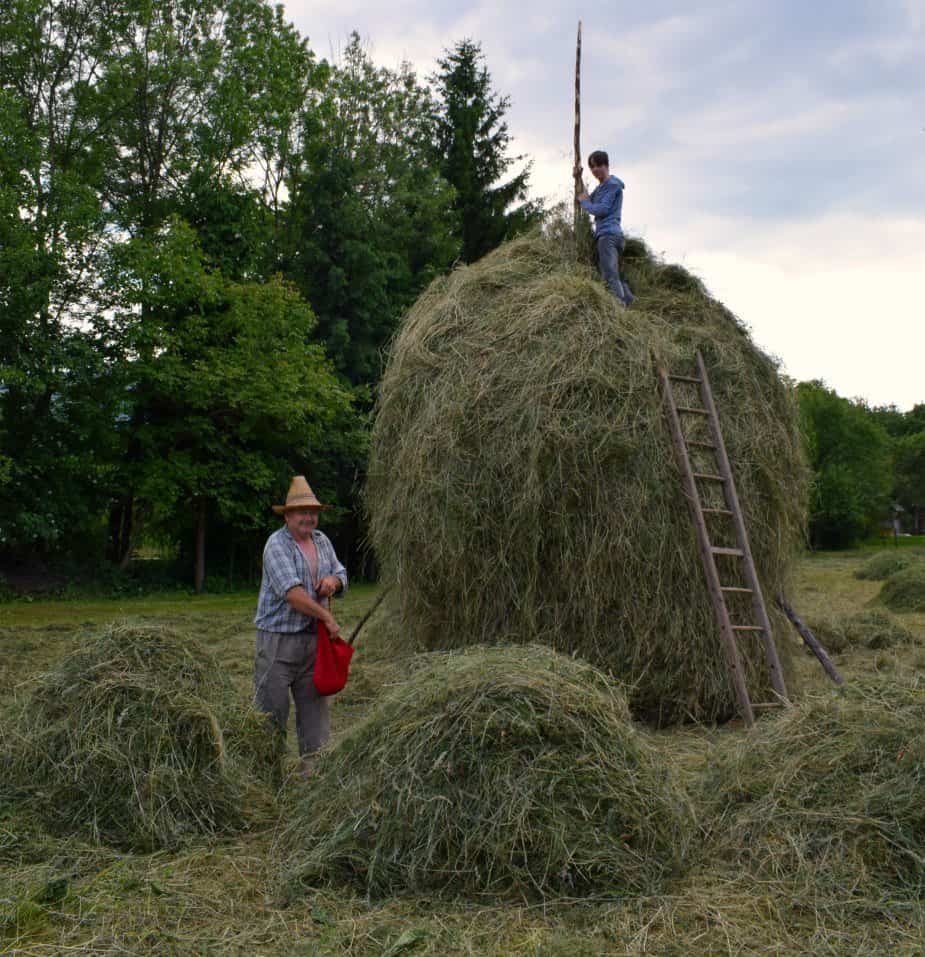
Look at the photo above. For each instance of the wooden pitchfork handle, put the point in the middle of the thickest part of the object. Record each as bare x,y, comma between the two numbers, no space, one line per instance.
369,614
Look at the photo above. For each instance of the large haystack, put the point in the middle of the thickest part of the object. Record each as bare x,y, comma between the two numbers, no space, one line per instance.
831,793
522,484
136,740
504,770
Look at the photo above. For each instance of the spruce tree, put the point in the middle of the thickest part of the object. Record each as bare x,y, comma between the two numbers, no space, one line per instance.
472,143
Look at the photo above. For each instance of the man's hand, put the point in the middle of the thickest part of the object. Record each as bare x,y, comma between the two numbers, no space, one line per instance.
328,586
331,624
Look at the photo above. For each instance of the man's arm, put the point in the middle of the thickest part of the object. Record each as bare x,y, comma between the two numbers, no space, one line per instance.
605,198
336,580
298,598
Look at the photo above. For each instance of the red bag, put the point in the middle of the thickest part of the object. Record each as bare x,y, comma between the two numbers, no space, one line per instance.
332,662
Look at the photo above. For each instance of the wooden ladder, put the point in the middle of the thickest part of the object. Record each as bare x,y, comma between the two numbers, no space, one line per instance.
722,476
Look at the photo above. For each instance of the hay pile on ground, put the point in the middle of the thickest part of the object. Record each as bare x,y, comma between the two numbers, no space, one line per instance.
513,771
522,484
831,794
865,629
883,564
905,590
136,739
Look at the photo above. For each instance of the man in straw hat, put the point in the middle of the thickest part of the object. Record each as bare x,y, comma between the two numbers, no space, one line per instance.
300,572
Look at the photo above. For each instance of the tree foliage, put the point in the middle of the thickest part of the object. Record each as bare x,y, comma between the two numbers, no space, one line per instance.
850,454
472,140
371,219
207,238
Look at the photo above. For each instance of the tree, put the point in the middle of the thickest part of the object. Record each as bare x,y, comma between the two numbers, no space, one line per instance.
370,220
54,399
472,144
909,456
229,392
850,455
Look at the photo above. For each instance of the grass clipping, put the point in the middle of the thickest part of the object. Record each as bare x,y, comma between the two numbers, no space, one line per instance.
880,566
136,740
522,484
905,590
831,794
504,770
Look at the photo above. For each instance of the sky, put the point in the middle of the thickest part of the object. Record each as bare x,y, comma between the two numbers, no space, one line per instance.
775,149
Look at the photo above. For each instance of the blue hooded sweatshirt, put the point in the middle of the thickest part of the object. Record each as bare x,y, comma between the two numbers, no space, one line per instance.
605,204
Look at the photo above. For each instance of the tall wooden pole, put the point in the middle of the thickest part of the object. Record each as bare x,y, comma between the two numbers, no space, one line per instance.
576,174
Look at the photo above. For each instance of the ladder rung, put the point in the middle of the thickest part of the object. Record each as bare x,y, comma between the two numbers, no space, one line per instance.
700,444
747,628
734,588
717,511
727,551
710,476
687,408
685,378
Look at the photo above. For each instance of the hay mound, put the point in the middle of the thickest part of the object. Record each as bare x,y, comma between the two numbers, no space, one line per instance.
497,770
865,629
883,564
522,484
905,590
833,791
136,739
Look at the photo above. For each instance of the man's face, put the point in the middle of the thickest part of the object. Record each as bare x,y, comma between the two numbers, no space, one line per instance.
600,173
301,522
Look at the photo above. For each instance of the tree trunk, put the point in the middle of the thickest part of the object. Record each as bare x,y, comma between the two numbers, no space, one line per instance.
199,573
129,530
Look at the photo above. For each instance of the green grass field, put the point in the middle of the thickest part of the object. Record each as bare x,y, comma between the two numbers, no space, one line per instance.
63,896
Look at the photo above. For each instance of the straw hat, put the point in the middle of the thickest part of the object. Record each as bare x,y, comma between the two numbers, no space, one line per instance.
300,495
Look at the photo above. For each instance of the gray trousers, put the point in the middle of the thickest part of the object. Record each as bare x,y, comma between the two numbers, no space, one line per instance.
609,249
285,662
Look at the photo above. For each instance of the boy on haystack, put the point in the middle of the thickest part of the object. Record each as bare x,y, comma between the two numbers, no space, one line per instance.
605,204
300,572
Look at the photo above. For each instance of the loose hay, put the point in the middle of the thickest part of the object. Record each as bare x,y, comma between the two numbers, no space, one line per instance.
880,566
504,771
905,590
831,794
866,629
135,738
522,484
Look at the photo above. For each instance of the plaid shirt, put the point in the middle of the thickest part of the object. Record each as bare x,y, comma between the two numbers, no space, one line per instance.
284,567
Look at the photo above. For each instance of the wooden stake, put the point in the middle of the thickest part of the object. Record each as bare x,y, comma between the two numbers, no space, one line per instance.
368,614
575,174
812,642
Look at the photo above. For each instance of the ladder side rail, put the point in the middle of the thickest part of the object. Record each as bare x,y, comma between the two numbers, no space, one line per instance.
732,499
733,659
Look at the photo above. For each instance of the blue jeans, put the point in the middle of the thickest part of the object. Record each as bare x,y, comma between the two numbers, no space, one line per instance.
608,262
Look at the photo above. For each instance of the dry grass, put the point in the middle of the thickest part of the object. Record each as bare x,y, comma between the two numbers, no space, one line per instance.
134,740
220,896
500,771
522,485
905,590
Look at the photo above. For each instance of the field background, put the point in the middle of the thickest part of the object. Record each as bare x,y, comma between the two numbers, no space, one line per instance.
222,897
